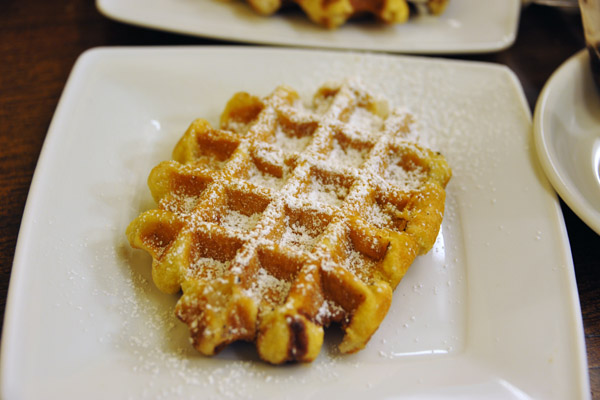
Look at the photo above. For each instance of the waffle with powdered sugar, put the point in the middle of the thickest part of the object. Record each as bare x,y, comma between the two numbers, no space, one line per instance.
333,13
289,218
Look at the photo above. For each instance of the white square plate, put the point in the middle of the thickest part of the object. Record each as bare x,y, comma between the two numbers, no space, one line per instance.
492,311
466,26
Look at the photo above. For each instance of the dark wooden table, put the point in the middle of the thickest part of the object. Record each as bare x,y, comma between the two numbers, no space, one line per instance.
40,40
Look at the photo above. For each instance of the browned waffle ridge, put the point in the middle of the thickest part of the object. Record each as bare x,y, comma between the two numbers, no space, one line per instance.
289,218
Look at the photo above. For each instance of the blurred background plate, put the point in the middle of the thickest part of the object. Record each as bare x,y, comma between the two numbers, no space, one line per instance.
466,26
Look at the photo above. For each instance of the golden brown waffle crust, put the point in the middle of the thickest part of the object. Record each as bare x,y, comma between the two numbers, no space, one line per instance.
333,13
290,217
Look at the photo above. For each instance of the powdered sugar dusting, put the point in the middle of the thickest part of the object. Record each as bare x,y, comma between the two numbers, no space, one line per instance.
289,143
362,120
328,193
158,362
359,264
346,156
258,177
208,268
238,222
378,217
267,285
299,236
328,310
331,168
407,179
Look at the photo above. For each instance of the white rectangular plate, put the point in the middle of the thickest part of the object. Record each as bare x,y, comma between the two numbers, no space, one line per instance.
466,26
492,311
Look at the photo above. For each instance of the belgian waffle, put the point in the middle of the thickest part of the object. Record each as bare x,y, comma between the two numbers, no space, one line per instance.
290,217
333,13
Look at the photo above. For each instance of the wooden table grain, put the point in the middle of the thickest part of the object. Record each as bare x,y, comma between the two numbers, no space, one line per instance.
40,41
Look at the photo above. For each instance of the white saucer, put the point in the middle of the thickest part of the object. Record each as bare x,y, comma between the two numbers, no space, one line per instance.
567,137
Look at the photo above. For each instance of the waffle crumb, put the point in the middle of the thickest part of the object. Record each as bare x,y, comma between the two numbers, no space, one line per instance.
289,218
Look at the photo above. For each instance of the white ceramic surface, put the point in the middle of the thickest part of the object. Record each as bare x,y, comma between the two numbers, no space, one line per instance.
491,312
467,26
567,137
